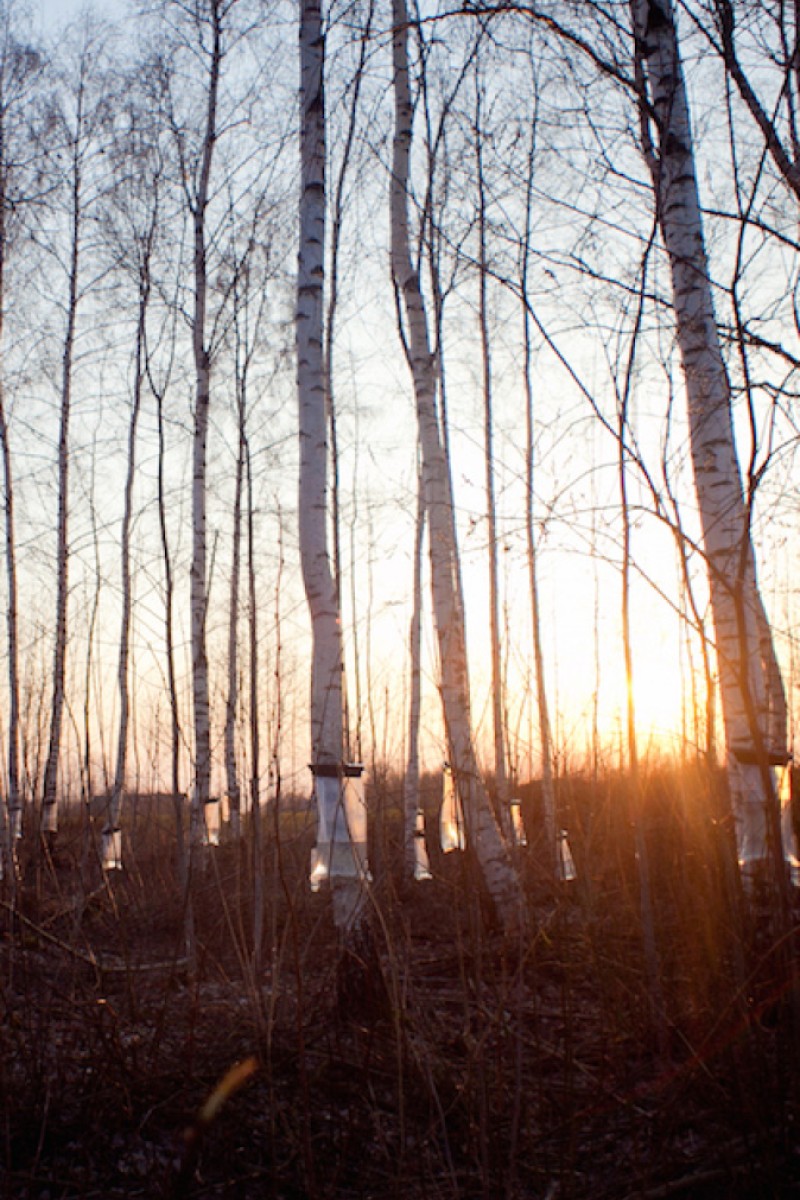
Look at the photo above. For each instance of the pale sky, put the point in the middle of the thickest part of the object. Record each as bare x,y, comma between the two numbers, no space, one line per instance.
58,12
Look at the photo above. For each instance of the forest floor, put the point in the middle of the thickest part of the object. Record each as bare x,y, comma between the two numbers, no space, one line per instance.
442,1060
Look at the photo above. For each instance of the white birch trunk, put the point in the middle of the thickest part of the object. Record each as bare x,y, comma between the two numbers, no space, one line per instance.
411,781
255,730
336,227
231,772
326,674
320,585
753,703
169,645
49,822
498,690
178,798
422,866
543,708
452,834
202,366
482,830
112,845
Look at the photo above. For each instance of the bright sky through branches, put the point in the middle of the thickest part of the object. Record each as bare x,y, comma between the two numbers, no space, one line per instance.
590,230
568,571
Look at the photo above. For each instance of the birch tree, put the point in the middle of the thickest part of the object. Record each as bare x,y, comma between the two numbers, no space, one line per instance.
414,818
20,67
337,225
252,273
542,705
255,728
79,119
498,688
140,217
242,357
753,702
159,387
482,829
202,34
335,853
212,19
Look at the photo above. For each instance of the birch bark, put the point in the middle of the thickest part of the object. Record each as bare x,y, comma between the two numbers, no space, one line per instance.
329,344
255,709
49,822
320,584
176,736
245,337
231,772
753,702
411,782
498,690
491,851
543,708
326,672
19,64
202,366
112,847
169,637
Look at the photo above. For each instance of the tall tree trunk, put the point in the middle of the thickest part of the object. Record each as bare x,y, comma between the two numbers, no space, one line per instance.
255,729
178,797
245,338
326,668
49,822
169,639
231,772
326,682
112,843
91,693
542,706
202,366
13,826
501,878
337,222
411,802
753,702
498,689
14,798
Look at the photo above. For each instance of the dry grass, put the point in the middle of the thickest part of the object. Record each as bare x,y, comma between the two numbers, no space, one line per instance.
438,1062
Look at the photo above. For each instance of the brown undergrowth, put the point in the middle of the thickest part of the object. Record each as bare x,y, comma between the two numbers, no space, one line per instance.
435,1059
